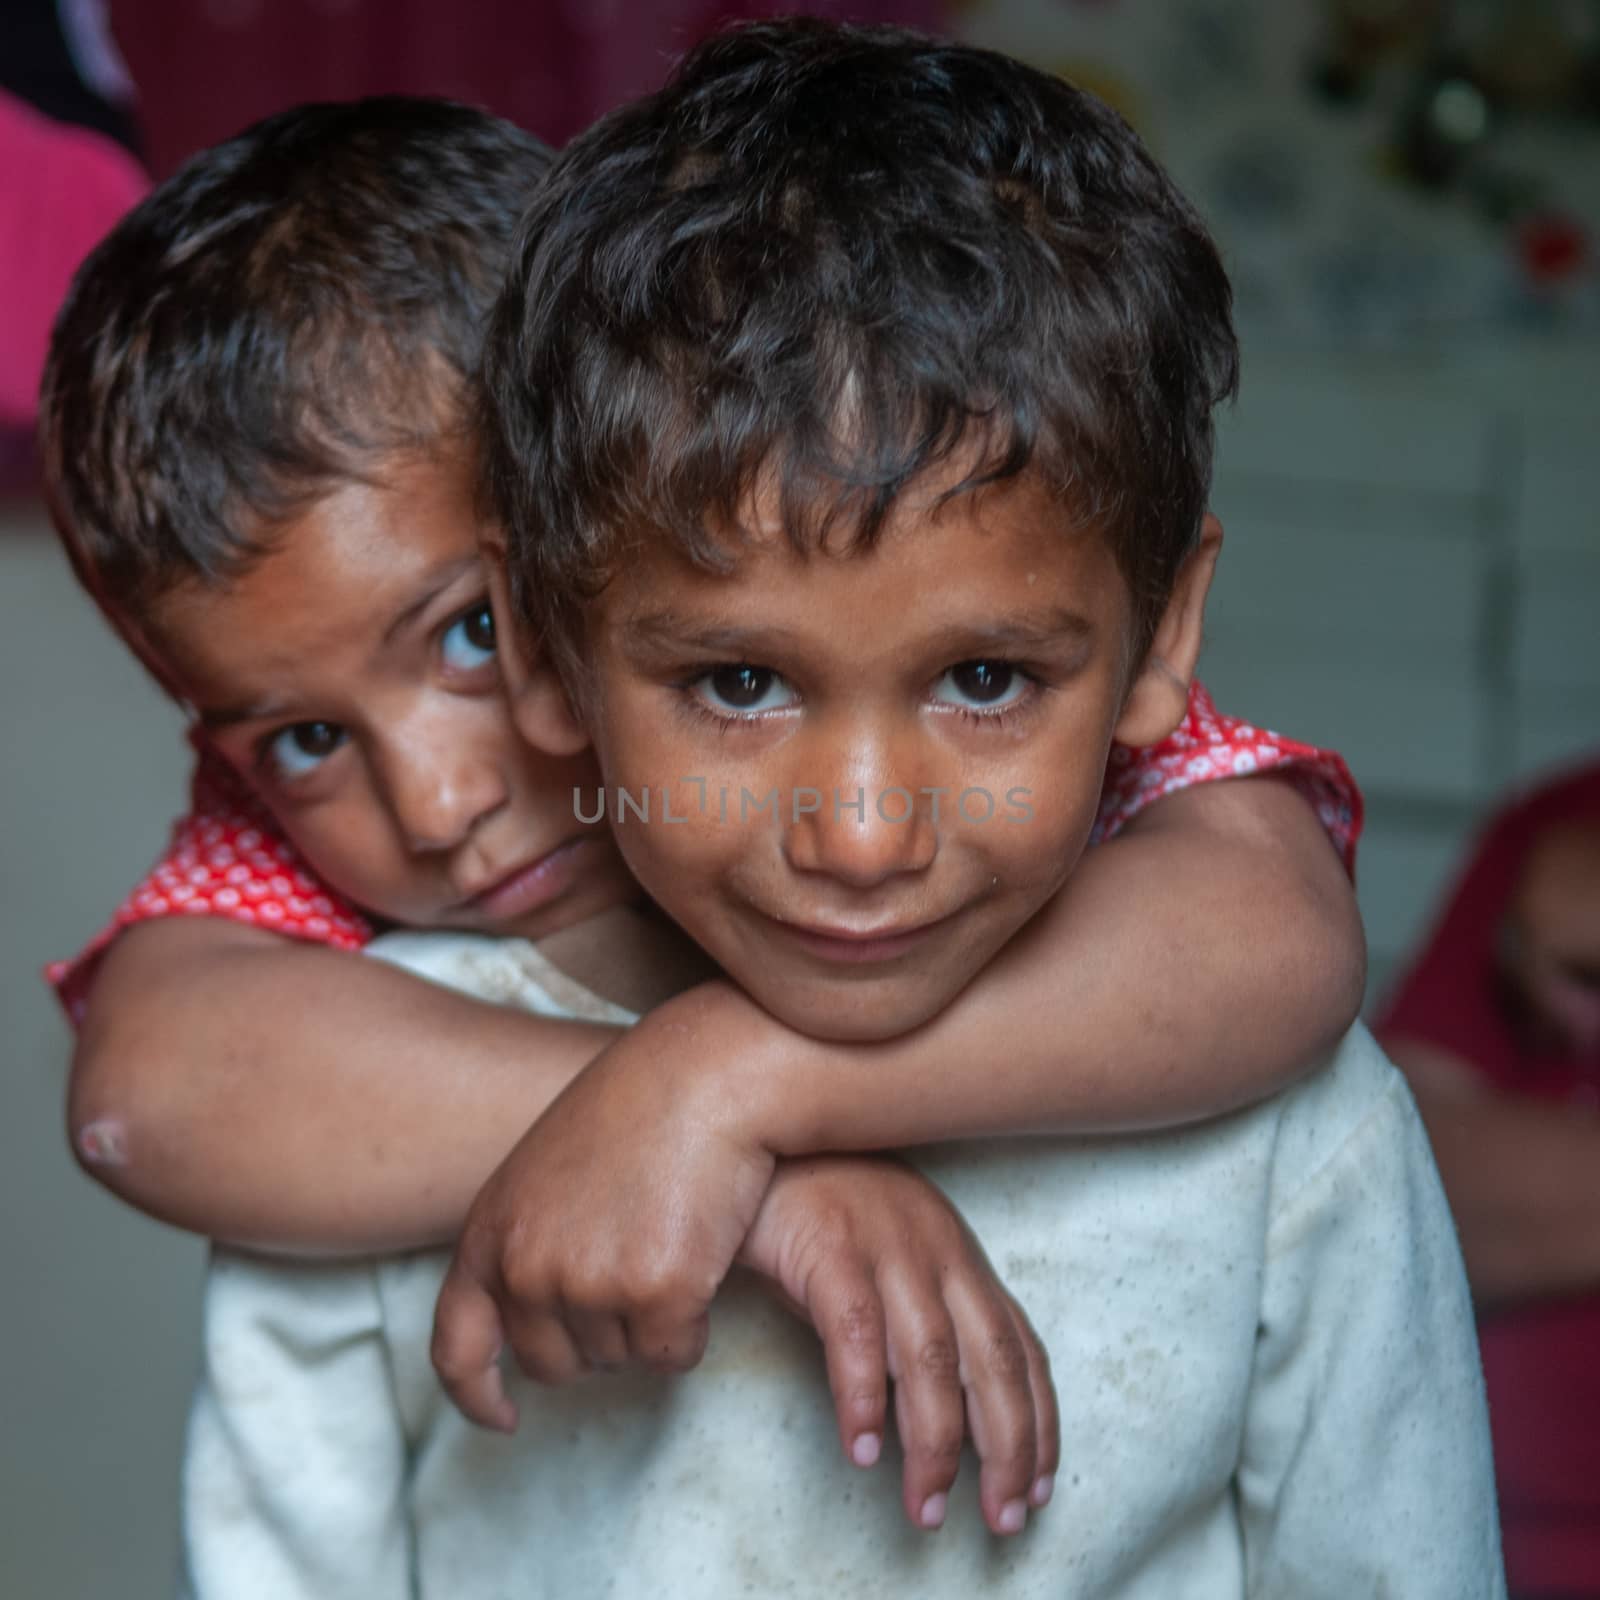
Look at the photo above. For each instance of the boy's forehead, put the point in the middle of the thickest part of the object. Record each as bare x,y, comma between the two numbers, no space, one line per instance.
342,575
1007,560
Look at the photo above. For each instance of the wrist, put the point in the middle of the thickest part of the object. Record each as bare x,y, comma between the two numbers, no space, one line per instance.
743,1066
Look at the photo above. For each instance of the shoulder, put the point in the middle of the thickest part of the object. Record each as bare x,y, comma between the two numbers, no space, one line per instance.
1208,746
1349,1143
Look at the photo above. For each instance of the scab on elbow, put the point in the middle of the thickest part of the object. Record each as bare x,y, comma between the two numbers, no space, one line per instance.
100,1143
96,1127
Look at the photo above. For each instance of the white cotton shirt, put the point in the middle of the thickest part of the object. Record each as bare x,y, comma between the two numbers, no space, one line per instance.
1259,1329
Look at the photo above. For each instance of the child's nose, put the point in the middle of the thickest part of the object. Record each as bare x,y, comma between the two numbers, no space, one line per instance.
437,804
861,828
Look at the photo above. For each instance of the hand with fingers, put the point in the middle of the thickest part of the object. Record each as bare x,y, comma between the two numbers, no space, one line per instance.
601,1239
882,1266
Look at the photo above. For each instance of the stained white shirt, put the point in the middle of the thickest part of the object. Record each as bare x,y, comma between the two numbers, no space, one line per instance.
1259,1329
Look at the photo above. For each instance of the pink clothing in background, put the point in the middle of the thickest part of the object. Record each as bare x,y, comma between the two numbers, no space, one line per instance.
1541,1359
62,188
205,68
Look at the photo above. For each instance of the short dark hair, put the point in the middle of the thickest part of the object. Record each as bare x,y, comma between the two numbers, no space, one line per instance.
840,255
291,303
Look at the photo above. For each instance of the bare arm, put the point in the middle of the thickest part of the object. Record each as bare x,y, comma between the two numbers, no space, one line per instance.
1201,961
1205,958
1522,1177
288,1096
208,1042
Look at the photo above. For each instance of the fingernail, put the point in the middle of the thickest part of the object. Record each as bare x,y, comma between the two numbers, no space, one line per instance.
1013,1516
1043,1488
933,1509
865,1451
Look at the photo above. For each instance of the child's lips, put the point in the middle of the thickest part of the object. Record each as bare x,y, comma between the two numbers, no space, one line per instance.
527,887
859,946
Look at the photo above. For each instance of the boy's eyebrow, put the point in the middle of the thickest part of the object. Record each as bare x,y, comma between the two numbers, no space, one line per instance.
1024,630
212,717
433,585
668,628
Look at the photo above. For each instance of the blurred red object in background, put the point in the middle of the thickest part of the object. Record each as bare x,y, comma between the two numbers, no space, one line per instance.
1553,247
206,68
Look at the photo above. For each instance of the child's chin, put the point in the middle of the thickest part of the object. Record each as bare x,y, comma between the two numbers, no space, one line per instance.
852,1012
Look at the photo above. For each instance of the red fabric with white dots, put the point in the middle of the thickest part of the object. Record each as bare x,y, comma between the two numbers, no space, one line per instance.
1207,745
228,859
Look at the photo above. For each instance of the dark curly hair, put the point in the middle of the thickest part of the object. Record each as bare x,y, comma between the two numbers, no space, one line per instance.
291,303
834,257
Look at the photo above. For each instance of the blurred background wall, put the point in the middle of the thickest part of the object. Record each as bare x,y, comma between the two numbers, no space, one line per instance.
1408,192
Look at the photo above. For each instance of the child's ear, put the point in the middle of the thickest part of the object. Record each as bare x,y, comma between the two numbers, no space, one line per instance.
1159,696
540,707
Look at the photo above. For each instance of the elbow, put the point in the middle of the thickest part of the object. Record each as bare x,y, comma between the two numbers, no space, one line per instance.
1347,966
1327,931
102,1113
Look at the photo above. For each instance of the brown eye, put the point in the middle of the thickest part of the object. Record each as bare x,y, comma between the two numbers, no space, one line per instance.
742,688
468,643
296,750
982,686
480,628
982,681
316,739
